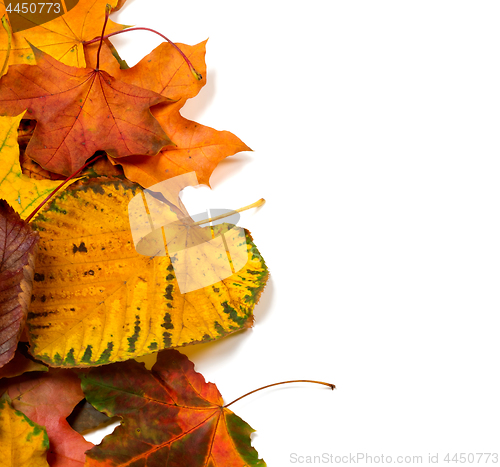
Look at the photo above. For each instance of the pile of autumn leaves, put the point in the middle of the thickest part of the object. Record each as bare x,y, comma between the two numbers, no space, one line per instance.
60,109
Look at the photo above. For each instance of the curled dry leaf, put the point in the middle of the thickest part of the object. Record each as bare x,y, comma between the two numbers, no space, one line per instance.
85,418
171,417
21,363
47,399
17,264
96,300
102,167
35,171
22,442
78,112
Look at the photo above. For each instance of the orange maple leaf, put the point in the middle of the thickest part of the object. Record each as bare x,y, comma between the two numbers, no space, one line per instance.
80,111
196,147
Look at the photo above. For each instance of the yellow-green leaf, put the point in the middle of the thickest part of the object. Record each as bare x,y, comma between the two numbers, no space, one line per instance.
96,300
23,443
21,192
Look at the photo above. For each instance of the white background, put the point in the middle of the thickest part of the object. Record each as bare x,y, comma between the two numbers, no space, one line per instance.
375,134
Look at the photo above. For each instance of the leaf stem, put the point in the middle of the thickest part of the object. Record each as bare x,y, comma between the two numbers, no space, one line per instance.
197,75
106,16
93,159
331,386
6,26
257,204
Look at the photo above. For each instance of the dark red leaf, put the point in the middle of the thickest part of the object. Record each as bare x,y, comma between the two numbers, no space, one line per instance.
17,262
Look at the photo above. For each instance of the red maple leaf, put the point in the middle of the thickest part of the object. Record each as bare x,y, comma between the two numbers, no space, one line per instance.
80,111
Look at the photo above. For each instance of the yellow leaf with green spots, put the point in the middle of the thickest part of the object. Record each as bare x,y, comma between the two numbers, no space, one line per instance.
23,443
96,300
24,194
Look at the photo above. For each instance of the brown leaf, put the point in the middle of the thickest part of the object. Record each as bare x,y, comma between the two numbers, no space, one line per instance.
85,418
33,170
17,262
25,132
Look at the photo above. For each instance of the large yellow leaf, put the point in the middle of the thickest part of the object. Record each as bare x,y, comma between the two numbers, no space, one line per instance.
21,192
22,442
96,300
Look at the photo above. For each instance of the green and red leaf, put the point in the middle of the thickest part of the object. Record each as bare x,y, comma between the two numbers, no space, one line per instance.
171,417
